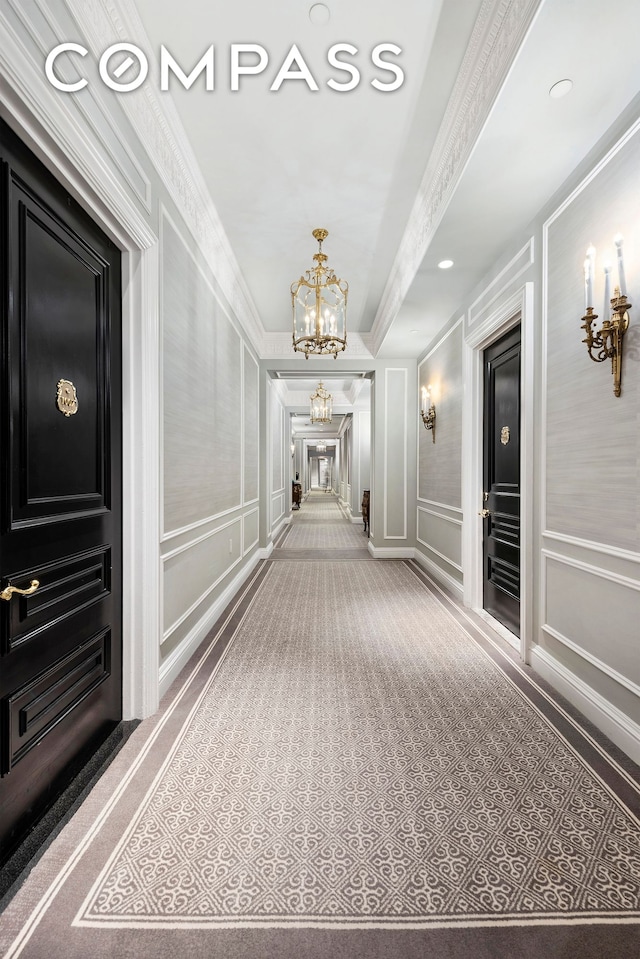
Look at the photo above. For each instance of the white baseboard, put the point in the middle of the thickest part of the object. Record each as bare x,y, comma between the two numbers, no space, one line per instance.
178,659
439,574
391,552
615,724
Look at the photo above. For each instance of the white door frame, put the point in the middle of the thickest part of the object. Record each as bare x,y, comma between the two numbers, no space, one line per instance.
517,308
41,119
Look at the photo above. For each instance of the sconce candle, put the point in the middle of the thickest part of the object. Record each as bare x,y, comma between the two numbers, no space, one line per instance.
607,289
428,411
589,266
622,283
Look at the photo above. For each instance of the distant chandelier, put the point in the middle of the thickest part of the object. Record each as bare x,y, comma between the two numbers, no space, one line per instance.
321,405
321,447
319,301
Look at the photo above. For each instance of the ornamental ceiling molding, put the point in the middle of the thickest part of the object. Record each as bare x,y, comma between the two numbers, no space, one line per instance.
156,123
497,36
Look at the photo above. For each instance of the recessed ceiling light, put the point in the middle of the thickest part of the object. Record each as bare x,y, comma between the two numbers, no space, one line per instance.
445,264
319,13
560,89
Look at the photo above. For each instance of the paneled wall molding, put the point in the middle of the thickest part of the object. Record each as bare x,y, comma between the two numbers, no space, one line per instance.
155,120
484,304
439,574
622,730
589,545
198,602
395,427
175,533
497,35
250,502
593,660
183,547
440,555
620,144
517,307
506,315
439,512
55,130
598,571
174,663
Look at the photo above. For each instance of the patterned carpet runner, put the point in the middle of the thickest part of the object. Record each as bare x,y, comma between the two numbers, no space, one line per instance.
358,760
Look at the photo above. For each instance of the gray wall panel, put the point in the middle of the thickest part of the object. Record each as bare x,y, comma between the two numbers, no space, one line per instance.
201,393
592,437
440,463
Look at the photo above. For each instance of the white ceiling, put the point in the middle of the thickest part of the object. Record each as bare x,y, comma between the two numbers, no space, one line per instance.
370,166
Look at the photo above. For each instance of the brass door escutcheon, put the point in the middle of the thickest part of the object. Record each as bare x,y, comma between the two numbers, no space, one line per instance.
8,591
67,398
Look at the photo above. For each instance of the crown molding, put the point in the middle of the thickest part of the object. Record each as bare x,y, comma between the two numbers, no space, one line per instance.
55,133
496,39
160,131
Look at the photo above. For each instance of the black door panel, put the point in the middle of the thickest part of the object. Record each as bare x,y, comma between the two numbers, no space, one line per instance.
60,485
501,539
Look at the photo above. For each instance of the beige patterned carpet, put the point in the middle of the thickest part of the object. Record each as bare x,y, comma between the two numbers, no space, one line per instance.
321,524
352,756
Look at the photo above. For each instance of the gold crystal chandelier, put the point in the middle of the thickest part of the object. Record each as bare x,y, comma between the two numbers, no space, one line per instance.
319,301
321,405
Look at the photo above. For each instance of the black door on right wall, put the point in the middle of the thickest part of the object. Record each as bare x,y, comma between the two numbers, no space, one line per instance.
501,524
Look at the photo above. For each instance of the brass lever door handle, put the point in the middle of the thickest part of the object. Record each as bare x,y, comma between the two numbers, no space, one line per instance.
8,591
484,513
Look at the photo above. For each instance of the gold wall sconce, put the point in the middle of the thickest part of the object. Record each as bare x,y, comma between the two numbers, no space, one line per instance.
606,343
428,412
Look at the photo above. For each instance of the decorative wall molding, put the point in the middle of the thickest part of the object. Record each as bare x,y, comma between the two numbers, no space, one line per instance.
180,656
159,129
515,268
633,130
395,426
620,729
142,191
436,346
497,36
439,574
440,555
598,571
593,660
615,552
53,129
438,513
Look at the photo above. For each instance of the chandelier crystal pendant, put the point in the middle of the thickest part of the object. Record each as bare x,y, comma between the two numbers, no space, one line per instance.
319,302
321,405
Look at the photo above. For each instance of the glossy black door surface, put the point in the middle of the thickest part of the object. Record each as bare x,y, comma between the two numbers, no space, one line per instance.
501,541
60,646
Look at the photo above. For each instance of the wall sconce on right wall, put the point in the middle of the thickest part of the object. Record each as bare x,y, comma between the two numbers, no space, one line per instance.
428,412
607,342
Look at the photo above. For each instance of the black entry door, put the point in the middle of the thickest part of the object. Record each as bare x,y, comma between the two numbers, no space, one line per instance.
60,486
501,541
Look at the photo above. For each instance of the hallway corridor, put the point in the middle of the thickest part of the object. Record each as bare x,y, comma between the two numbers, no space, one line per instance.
352,767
